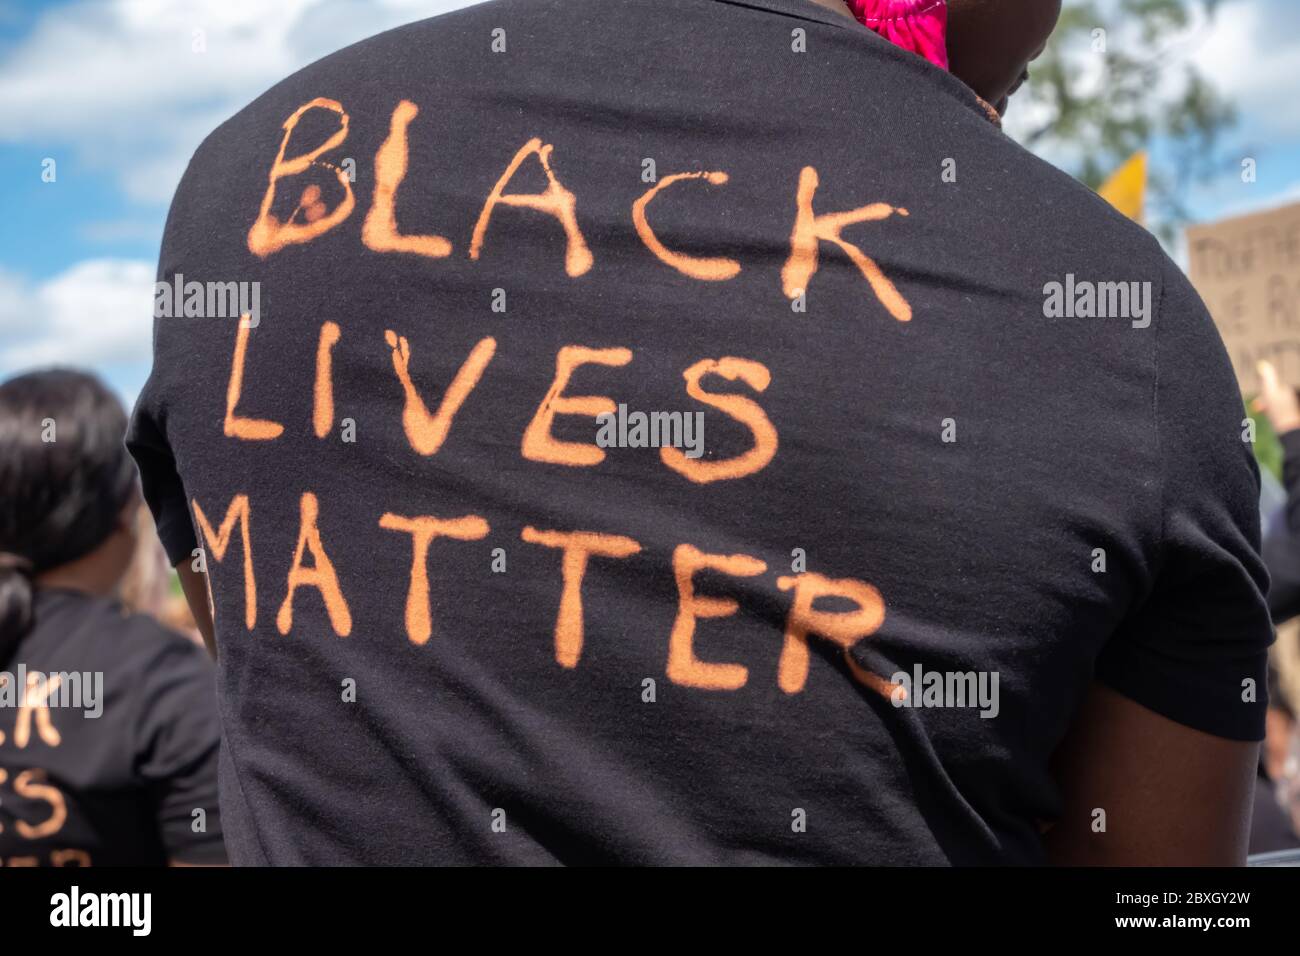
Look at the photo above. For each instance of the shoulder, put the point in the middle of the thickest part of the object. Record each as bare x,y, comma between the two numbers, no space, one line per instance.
156,651
115,639
134,653
1060,218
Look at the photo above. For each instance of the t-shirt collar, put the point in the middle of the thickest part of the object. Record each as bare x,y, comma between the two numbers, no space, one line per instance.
801,8
806,10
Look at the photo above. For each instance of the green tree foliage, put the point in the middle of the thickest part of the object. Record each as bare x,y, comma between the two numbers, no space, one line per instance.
1118,77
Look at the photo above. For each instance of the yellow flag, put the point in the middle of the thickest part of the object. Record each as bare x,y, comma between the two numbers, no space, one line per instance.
1126,190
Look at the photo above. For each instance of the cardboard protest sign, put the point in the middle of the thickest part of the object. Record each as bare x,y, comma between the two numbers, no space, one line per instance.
1247,270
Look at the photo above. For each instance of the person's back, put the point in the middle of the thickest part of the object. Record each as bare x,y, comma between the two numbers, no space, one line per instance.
108,722
454,627
109,749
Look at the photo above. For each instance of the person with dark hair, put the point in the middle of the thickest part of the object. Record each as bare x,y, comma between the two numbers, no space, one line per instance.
108,725
987,44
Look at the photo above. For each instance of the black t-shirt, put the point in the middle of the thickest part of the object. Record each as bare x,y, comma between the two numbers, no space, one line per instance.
454,627
110,756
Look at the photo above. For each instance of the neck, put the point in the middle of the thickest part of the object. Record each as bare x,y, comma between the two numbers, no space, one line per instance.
98,573
836,6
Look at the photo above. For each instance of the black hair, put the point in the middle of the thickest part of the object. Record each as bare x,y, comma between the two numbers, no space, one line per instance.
65,476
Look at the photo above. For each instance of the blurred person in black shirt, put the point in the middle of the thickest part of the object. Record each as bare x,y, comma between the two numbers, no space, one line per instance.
1271,829
1282,545
108,723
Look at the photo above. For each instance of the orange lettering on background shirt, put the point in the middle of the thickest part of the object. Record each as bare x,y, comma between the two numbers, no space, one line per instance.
249,429
29,786
742,409
218,541
423,529
811,229
844,628
578,547
683,666
555,201
697,267
268,234
322,415
379,231
320,576
426,432
538,443
35,706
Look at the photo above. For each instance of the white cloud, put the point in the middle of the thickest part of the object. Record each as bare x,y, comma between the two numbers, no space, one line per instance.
98,312
119,87
122,85
1251,56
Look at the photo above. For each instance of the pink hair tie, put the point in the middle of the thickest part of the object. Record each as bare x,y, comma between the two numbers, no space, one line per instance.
920,26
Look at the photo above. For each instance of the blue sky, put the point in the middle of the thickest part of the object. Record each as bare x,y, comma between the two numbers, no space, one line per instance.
116,93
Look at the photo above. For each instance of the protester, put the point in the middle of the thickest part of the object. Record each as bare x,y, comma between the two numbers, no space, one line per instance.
963,574
1271,829
108,725
1280,403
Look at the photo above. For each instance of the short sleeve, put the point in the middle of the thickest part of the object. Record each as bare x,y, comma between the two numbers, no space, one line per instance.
1196,650
177,747
161,484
